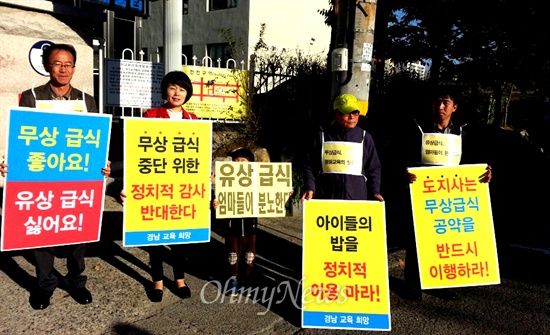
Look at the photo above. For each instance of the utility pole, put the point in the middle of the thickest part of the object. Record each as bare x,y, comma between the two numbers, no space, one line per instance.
173,34
352,56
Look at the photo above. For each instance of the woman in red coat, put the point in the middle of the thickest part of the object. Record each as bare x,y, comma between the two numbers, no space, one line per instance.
176,90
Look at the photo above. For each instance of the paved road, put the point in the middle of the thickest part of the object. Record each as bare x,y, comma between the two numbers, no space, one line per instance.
118,278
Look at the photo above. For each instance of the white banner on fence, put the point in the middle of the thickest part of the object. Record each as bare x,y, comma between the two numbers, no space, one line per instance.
133,83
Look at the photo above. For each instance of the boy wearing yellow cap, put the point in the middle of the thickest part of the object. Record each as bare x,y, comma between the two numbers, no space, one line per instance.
342,162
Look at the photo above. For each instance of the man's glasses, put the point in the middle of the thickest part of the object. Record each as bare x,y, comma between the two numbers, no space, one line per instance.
58,65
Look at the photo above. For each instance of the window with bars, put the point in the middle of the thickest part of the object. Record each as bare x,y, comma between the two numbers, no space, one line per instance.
220,51
187,55
221,4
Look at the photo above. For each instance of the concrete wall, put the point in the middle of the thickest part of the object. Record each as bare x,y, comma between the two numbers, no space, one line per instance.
201,27
20,28
152,30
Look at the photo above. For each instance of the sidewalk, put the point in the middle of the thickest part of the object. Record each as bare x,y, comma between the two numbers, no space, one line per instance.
118,278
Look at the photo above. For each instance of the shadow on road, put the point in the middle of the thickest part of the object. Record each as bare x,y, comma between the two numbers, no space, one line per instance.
108,250
10,267
126,329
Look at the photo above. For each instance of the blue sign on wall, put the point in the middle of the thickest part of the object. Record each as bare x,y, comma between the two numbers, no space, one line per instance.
137,7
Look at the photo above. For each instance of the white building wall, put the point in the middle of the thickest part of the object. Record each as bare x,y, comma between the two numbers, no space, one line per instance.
290,24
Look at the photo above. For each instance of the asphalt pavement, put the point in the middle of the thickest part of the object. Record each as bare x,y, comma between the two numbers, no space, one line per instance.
118,279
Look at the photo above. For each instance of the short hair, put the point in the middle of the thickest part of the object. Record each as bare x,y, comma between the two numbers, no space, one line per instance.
176,78
446,91
242,152
49,49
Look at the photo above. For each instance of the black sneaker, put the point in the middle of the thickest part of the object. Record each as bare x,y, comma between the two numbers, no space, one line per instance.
155,295
40,299
184,292
81,295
